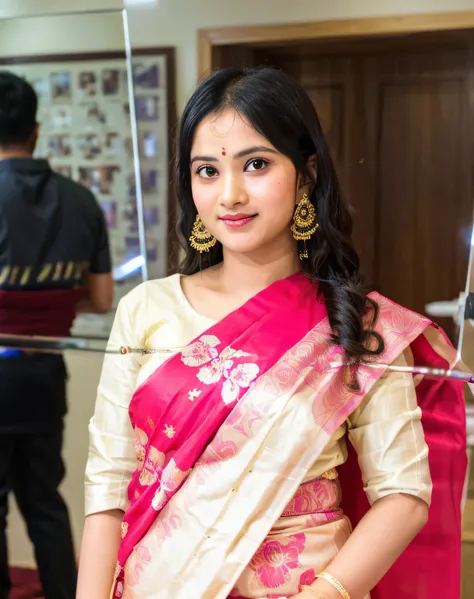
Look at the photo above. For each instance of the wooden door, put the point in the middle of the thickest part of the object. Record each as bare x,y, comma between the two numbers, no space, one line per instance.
398,116
421,155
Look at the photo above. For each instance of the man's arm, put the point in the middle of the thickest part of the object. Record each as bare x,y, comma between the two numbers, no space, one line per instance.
100,294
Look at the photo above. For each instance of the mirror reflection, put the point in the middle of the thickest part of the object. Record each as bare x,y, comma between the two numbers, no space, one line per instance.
67,191
395,112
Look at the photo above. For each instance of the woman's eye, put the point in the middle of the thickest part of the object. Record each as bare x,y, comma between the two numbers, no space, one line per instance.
207,172
257,164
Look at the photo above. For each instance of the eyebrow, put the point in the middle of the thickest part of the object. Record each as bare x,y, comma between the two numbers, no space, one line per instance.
240,154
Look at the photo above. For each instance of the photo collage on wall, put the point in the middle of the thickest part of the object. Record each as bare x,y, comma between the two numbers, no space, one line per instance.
85,133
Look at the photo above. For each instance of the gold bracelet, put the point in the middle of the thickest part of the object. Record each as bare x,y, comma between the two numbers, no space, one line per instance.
335,583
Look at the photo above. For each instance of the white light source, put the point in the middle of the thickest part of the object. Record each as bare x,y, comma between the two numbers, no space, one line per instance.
127,268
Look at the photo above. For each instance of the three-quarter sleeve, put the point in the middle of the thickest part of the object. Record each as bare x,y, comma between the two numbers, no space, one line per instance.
387,434
112,457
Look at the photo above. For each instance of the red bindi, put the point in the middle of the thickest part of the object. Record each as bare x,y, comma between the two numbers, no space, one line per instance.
223,152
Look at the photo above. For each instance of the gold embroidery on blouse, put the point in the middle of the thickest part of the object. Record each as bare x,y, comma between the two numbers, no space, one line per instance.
330,474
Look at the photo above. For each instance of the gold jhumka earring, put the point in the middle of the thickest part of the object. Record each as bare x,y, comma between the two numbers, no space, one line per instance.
304,223
201,240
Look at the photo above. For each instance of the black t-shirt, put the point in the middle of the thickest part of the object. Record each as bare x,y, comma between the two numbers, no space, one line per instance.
52,230
52,234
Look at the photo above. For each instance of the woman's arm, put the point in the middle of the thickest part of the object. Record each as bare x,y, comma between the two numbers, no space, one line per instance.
110,463
100,542
387,434
381,536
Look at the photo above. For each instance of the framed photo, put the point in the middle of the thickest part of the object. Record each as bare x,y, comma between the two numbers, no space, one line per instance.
86,134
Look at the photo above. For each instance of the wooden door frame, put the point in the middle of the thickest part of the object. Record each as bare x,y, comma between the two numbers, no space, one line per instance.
207,39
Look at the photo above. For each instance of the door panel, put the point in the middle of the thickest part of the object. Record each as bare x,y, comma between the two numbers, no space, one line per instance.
399,125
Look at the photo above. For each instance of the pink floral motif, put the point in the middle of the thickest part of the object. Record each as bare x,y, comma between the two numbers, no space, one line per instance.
273,560
241,419
240,377
171,479
141,440
137,562
201,351
151,468
307,578
218,451
236,378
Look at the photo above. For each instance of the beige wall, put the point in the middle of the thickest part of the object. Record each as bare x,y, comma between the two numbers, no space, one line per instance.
167,22
175,22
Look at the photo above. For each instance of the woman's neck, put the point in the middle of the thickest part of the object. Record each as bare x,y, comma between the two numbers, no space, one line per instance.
244,273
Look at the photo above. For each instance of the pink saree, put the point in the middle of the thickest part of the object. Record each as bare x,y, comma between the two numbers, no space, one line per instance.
226,431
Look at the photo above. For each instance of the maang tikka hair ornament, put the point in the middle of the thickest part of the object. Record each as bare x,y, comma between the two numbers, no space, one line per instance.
201,240
304,223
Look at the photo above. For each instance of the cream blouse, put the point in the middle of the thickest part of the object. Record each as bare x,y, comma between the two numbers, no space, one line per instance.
385,430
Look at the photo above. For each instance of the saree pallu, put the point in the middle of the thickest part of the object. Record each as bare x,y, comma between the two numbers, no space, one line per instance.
227,430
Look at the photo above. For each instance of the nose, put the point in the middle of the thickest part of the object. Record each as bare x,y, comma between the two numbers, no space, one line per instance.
233,192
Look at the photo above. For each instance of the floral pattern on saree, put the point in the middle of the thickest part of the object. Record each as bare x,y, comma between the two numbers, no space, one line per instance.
274,560
215,366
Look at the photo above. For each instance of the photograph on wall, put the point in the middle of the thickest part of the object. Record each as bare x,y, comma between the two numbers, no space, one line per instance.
87,84
89,145
132,247
99,179
147,108
59,146
55,118
146,76
149,182
61,90
113,144
152,250
110,82
149,144
130,216
151,217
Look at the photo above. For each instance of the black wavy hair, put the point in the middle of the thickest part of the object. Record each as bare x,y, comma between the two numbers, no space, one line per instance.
18,106
279,109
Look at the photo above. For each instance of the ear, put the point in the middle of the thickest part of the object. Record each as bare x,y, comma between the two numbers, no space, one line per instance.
306,183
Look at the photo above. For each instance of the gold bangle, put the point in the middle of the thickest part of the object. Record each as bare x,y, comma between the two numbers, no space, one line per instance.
335,583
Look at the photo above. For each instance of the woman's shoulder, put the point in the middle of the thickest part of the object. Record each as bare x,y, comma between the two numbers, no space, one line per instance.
163,293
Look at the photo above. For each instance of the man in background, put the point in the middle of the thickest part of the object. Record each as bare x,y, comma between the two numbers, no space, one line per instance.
54,262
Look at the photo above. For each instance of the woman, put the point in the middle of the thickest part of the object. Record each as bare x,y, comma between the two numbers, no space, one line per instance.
213,472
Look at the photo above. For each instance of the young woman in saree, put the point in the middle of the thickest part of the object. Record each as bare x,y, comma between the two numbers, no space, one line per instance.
219,458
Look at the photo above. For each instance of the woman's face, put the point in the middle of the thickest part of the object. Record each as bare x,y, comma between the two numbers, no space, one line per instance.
243,188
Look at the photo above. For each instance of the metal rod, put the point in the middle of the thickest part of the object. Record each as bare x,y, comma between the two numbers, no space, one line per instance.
59,344
449,373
